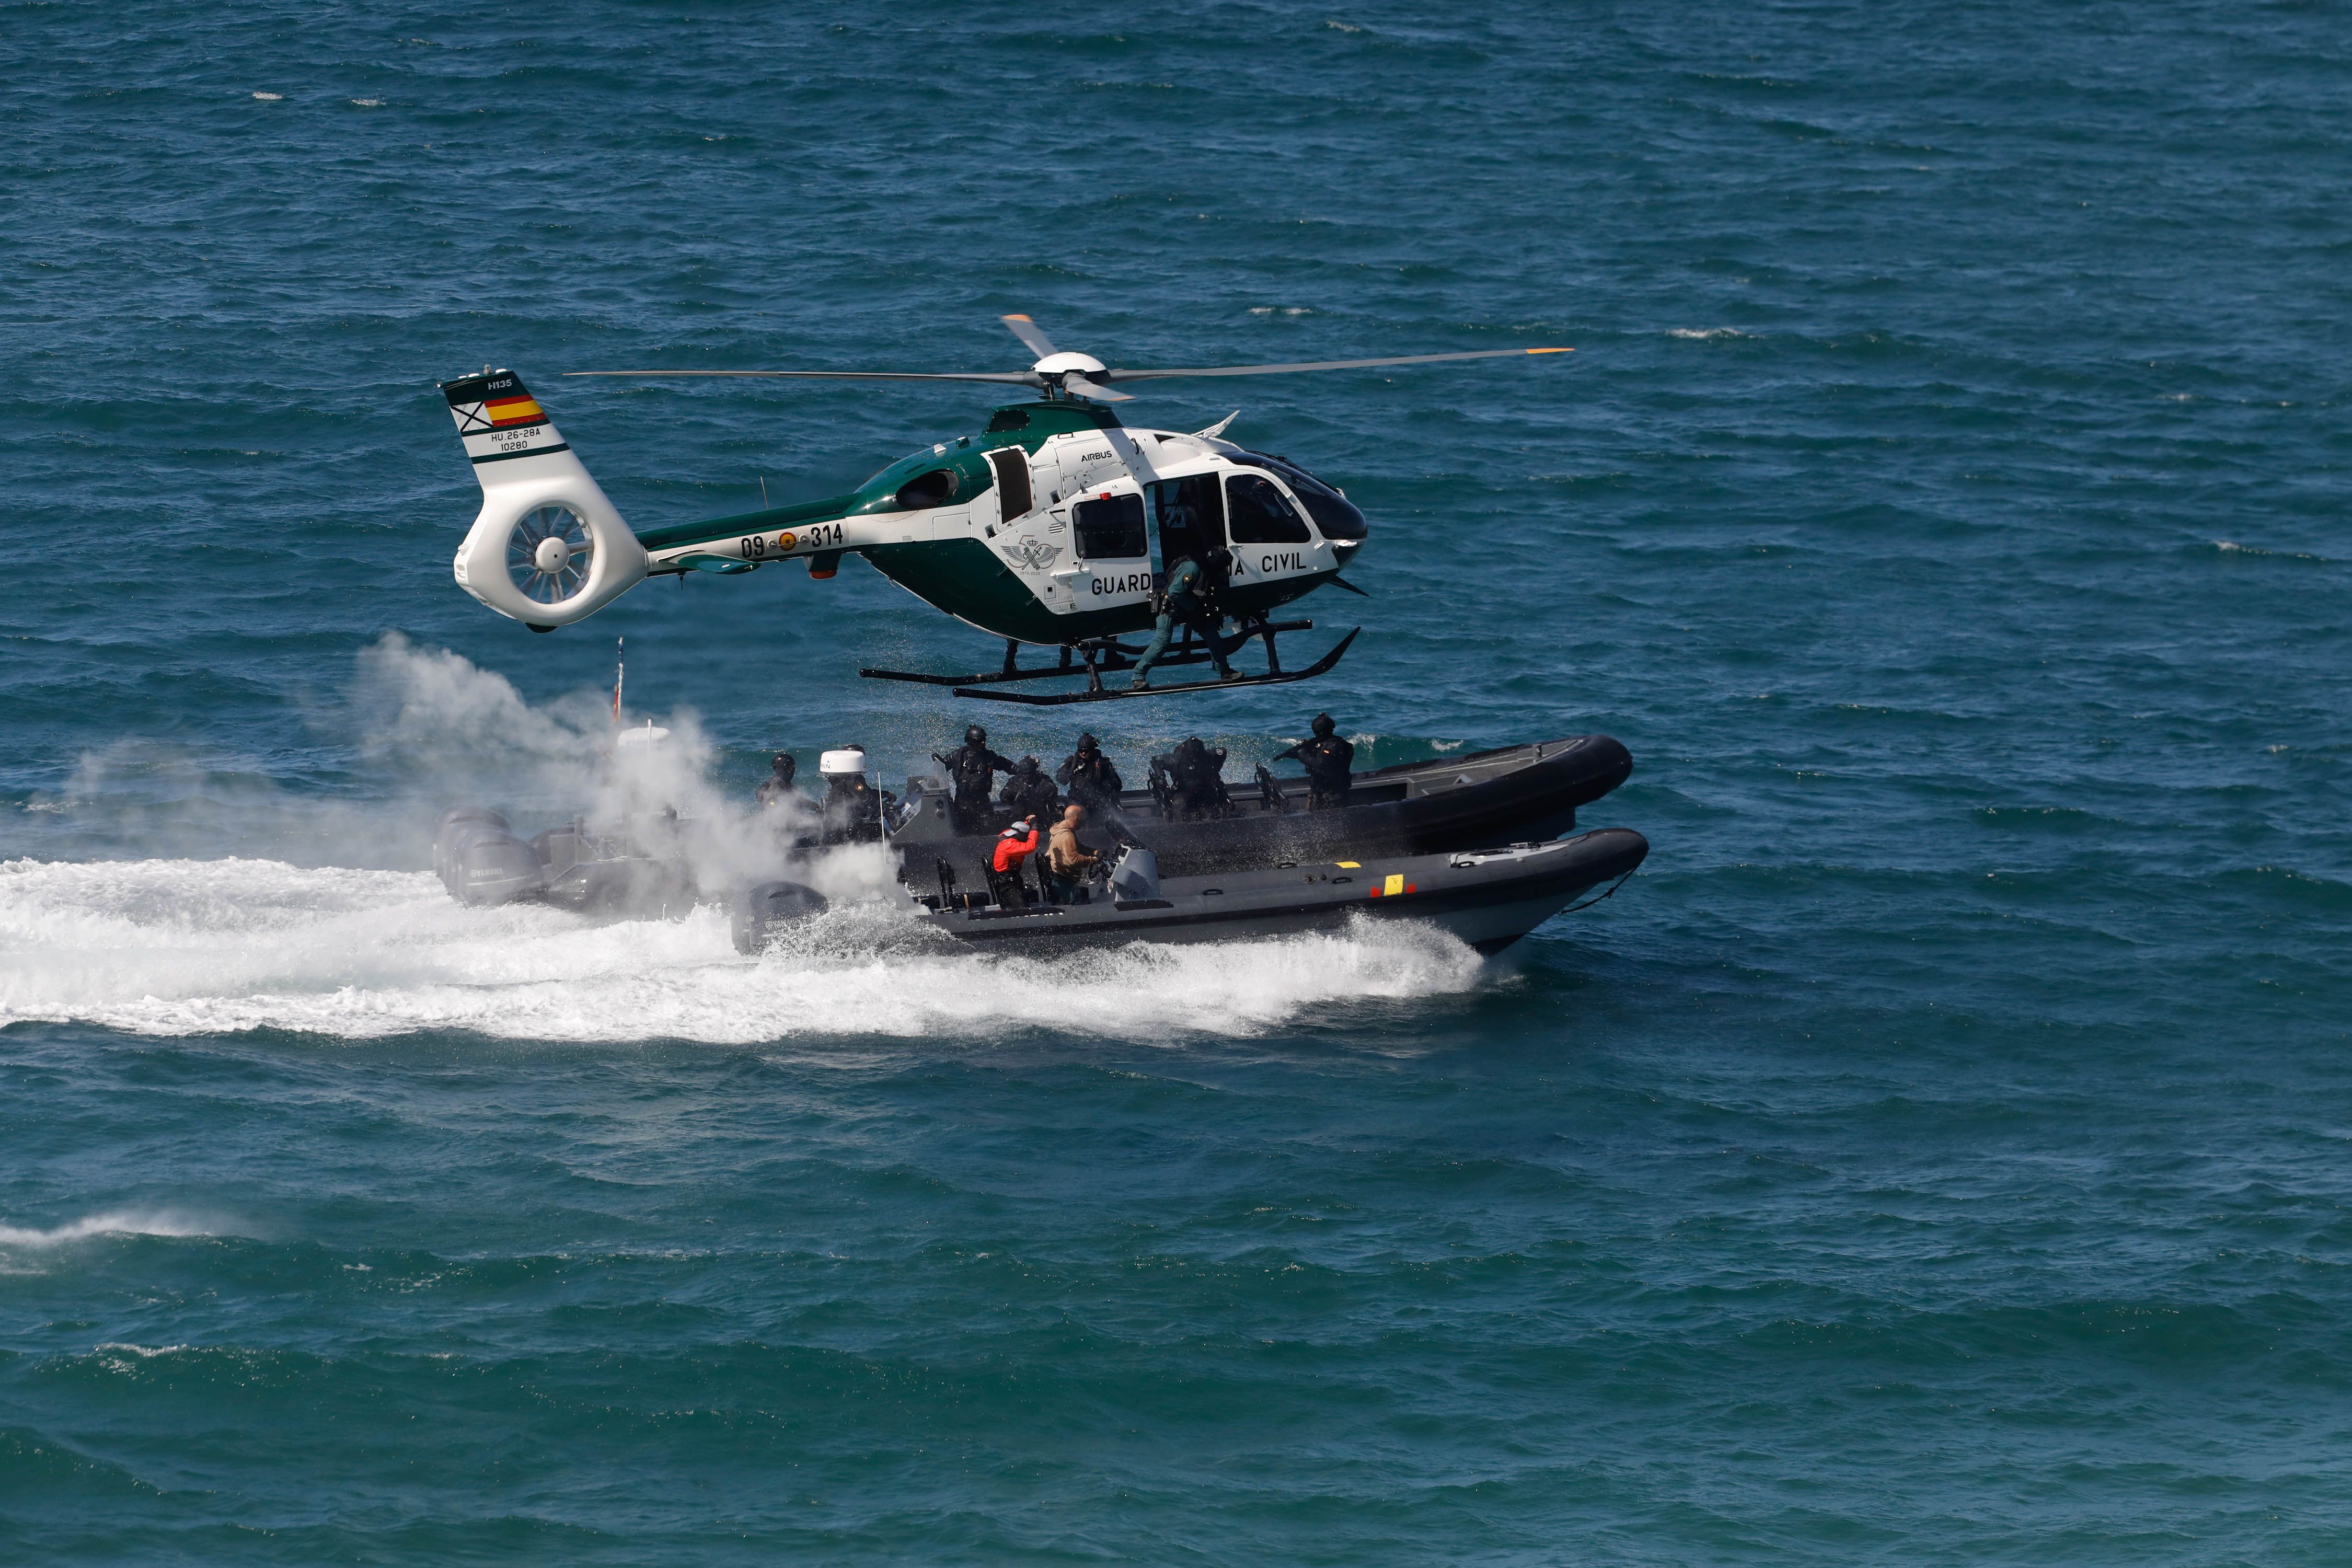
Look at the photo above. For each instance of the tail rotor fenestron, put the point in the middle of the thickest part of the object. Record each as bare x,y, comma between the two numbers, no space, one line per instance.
547,548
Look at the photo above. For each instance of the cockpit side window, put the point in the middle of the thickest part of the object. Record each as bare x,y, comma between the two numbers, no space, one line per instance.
1259,514
1333,513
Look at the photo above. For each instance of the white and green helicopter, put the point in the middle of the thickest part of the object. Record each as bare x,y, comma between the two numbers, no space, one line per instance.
1054,526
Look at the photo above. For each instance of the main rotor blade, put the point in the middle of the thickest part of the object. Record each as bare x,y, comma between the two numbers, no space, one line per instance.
1078,384
1318,365
1026,330
1002,377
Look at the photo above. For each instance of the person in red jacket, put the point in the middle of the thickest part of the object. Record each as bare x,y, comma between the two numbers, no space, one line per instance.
1013,848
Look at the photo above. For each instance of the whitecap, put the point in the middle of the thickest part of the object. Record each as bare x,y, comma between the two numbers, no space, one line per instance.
271,97
120,1222
1706,334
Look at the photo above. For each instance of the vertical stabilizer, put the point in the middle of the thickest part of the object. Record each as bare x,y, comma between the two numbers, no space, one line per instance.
547,548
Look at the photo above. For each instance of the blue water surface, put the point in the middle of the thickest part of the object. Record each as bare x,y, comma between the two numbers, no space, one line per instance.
1937,1153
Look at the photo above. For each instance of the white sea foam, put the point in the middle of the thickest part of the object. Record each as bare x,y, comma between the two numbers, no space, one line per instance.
1706,334
181,947
161,943
119,1222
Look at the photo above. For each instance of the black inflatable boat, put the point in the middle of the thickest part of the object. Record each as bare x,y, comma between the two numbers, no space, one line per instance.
1481,798
635,869
1488,898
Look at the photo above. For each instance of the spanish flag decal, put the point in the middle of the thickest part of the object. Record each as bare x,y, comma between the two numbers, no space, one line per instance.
523,410
498,418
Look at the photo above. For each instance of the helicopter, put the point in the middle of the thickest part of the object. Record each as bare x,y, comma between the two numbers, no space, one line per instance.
1054,526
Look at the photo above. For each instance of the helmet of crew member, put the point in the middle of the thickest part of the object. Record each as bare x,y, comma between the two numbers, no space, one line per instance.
783,762
974,735
1323,724
1086,743
1026,765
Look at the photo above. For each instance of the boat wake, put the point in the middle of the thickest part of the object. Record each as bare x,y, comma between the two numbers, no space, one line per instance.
175,947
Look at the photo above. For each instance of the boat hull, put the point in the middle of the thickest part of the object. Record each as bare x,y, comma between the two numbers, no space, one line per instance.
1488,899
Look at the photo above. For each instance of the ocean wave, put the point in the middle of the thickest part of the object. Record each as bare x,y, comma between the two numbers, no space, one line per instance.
188,947
2231,547
114,1222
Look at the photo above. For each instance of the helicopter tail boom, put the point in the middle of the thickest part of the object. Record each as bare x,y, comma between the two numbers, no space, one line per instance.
547,548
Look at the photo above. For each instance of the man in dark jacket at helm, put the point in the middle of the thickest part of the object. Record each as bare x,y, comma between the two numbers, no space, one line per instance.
1329,763
1092,781
972,769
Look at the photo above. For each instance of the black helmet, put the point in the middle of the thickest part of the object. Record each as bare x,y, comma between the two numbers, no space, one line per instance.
1323,725
1027,764
1086,743
783,762
974,735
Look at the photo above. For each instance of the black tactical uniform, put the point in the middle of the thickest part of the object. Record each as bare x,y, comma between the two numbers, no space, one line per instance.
776,789
1029,792
1196,777
854,810
1092,781
1329,763
972,769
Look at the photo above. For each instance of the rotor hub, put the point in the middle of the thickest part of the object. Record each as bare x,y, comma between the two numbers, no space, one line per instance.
1062,364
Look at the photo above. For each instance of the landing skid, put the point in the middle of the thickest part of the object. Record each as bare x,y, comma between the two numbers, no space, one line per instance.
1099,657
1097,692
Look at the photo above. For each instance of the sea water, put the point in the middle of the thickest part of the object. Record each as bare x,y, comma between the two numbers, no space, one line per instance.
1937,1153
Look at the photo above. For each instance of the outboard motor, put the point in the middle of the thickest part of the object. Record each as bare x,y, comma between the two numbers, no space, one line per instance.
480,862
761,913
1135,875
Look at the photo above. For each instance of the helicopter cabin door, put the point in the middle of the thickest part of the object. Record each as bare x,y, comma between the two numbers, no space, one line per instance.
1013,497
1112,543
1187,516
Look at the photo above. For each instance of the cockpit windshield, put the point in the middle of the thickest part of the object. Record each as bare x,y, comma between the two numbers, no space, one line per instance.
1333,512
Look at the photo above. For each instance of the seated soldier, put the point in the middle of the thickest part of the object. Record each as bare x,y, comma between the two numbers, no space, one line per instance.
776,789
1029,792
1196,778
854,810
1093,783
